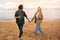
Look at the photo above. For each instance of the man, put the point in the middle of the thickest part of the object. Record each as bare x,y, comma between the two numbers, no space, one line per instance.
19,15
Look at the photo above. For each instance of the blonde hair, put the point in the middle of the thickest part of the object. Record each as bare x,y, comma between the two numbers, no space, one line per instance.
39,9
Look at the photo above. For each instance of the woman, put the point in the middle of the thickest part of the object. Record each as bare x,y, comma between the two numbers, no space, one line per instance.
38,19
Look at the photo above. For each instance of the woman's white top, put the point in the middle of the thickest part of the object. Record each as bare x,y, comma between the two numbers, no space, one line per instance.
37,15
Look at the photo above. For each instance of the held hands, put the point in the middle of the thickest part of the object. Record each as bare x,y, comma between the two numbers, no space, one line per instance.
29,21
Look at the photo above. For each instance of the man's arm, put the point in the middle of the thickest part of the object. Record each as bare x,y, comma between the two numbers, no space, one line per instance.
26,16
27,19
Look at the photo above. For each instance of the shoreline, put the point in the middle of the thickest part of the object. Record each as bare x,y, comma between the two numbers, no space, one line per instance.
27,21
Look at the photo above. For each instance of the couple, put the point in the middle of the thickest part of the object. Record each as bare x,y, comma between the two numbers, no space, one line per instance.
20,14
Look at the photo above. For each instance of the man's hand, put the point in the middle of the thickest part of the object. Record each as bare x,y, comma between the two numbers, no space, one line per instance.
29,21
17,17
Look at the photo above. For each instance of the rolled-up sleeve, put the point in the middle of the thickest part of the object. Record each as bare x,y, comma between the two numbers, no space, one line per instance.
25,14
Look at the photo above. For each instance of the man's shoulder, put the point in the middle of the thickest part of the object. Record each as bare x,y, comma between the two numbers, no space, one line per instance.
17,11
23,11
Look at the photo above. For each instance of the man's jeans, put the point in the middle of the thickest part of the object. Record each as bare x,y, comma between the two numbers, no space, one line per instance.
20,26
38,28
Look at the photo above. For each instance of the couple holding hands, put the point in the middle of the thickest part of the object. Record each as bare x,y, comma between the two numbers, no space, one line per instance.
38,17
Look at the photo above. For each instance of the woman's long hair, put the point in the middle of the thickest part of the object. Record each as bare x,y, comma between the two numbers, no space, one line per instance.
39,9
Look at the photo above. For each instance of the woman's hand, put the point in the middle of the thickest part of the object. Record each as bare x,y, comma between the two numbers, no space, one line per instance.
39,17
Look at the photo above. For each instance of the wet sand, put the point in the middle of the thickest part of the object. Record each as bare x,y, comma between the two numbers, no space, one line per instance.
10,31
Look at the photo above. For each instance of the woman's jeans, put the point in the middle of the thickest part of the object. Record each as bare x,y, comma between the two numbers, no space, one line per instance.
38,28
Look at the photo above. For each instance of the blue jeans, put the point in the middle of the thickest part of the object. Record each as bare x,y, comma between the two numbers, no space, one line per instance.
20,26
38,28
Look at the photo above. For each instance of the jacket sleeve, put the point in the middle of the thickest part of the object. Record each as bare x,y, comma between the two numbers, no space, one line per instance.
34,17
41,15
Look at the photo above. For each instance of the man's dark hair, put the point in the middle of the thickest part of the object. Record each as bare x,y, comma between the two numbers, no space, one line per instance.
20,7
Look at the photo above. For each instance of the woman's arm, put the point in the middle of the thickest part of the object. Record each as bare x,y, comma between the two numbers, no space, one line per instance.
33,17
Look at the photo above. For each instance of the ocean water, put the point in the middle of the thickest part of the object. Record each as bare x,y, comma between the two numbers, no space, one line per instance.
48,13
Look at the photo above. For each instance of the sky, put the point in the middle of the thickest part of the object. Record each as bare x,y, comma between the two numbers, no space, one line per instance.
31,3
53,7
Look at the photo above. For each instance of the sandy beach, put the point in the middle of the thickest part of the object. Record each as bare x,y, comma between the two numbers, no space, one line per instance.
10,31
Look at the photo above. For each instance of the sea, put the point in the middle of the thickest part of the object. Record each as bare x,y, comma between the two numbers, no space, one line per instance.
48,13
